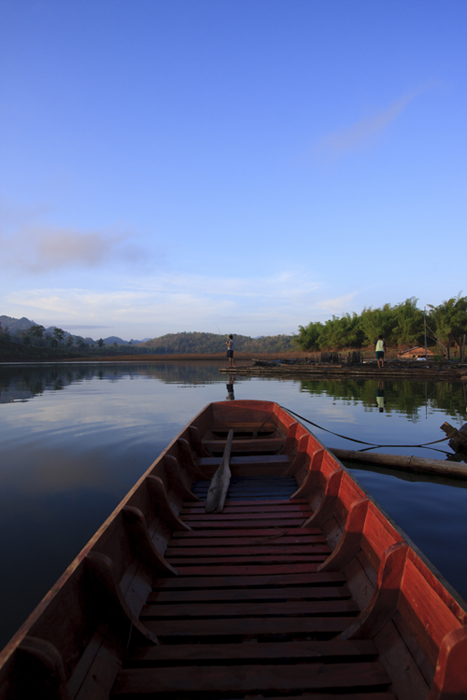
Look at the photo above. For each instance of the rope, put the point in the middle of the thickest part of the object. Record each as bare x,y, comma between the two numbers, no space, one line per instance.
361,442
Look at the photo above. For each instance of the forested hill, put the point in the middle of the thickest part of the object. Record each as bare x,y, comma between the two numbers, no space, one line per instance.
212,342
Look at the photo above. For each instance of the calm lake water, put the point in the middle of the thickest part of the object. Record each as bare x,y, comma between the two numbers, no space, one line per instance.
75,437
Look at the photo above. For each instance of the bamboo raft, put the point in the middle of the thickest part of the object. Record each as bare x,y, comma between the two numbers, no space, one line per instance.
394,370
246,562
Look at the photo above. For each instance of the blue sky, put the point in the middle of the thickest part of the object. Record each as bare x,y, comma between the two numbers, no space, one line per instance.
241,166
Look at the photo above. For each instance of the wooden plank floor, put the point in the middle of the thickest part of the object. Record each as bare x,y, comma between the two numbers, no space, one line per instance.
248,614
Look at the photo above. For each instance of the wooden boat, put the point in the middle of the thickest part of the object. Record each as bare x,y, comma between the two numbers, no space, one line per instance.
294,585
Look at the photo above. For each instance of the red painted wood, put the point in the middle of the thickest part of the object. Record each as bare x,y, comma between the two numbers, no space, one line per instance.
351,540
384,601
450,681
329,503
300,457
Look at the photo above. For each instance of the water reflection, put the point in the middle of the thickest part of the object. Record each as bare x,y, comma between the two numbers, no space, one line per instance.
20,382
413,399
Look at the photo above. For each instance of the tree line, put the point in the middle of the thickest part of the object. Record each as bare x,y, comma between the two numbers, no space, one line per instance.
200,343
400,325
56,339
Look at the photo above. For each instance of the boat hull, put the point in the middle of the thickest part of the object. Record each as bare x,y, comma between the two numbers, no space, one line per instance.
296,583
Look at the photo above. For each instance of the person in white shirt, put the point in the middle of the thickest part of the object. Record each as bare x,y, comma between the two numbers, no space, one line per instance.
380,347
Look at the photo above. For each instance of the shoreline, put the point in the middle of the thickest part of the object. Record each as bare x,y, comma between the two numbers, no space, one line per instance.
283,365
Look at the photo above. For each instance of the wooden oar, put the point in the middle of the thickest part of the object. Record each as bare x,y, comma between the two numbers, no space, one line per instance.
220,481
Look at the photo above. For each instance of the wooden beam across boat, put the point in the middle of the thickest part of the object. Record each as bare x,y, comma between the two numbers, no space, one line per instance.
300,587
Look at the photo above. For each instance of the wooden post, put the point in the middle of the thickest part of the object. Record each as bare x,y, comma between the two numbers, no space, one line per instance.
454,434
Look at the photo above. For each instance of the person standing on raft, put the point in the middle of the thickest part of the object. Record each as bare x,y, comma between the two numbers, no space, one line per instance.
380,347
230,350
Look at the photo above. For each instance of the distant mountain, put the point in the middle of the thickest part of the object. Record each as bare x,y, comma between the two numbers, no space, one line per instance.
114,339
171,343
15,325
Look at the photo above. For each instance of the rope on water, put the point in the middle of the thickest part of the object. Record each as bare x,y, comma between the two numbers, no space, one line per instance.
361,442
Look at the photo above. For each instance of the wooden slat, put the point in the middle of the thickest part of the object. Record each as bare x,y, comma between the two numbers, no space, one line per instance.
387,695
296,651
245,425
253,559
258,460
237,524
248,678
248,503
223,518
243,510
245,627
248,570
286,551
278,540
249,532
242,444
253,609
305,593
272,580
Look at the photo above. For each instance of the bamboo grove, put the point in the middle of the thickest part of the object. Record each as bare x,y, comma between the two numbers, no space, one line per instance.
400,325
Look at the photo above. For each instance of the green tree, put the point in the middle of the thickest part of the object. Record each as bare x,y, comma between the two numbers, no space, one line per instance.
375,322
449,321
59,335
35,331
308,337
408,327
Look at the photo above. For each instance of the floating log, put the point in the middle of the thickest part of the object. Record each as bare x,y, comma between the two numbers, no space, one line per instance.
416,464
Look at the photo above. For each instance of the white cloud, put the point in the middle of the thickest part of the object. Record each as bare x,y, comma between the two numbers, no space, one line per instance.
339,305
333,146
171,303
42,249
